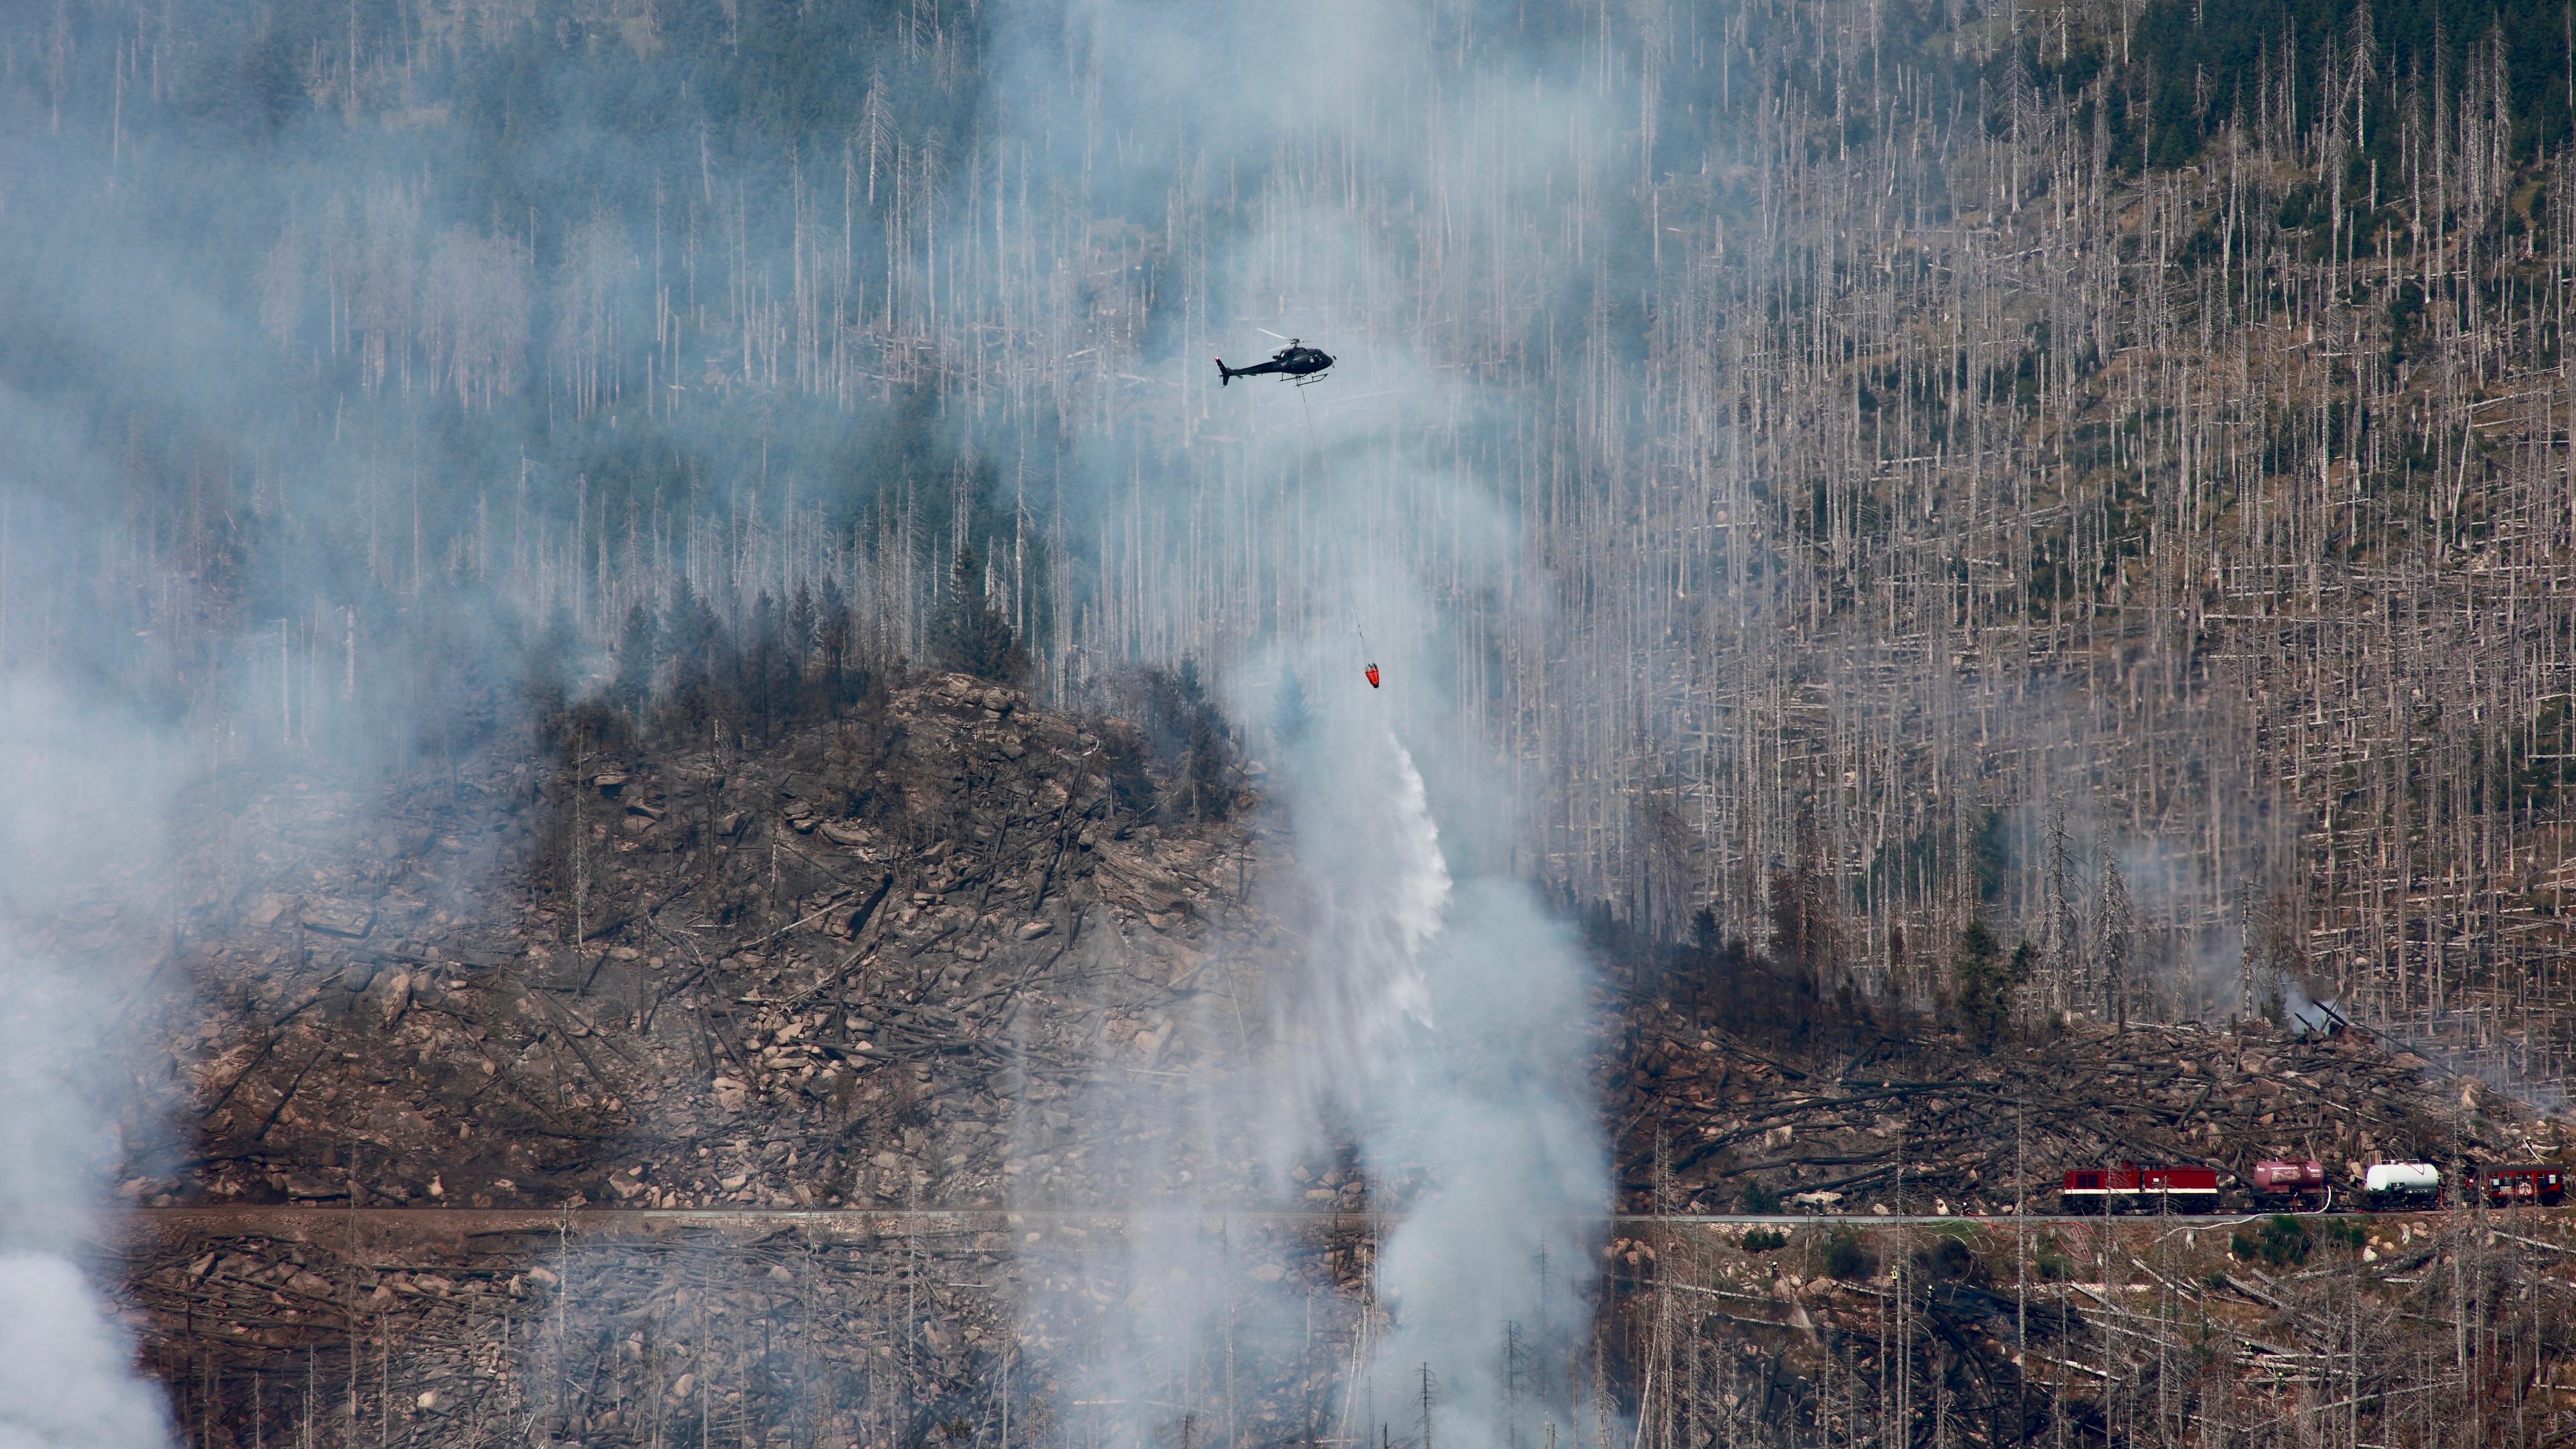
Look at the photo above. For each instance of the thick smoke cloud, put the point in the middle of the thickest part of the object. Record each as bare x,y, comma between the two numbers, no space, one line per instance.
66,1380
372,367
84,1005
1435,1018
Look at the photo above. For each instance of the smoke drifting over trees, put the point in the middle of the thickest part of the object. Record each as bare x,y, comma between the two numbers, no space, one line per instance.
2033,508
1966,457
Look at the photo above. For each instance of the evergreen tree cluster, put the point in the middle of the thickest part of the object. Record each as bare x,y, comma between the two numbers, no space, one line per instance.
972,635
1179,759
682,671
1982,980
1188,730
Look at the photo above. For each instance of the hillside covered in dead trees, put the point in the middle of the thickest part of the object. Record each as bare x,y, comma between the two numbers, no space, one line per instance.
651,605
854,967
2093,468
931,947
875,963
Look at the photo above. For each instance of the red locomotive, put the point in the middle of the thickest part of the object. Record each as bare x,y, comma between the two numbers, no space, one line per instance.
2288,1184
2130,1188
2535,1183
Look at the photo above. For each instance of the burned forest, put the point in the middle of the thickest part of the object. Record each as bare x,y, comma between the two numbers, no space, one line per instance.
682,776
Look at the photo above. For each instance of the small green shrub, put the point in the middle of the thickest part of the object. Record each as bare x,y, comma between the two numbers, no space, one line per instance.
2051,1262
1847,1255
1763,1240
2281,1242
1760,1199
1946,1259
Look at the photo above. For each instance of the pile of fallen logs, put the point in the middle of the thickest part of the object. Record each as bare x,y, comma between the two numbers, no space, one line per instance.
929,957
823,975
332,1328
2435,1329
1915,1119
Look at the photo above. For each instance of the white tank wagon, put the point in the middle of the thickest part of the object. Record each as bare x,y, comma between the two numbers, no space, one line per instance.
2393,1185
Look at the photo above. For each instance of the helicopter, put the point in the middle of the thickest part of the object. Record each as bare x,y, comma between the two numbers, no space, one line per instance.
1296,360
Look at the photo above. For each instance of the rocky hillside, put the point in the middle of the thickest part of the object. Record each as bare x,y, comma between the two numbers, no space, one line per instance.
862,968
948,950
944,951
909,956
1908,1117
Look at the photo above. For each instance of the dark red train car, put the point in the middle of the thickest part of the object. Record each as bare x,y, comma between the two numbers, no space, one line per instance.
2524,1183
2287,1184
2131,1187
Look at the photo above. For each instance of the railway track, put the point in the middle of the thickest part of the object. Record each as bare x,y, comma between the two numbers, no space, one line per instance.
899,1221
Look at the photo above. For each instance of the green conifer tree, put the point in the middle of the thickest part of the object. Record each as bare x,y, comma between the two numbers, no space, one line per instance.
971,635
1981,985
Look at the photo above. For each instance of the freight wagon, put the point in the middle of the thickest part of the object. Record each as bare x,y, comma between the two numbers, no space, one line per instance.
2288,1185
2397,1186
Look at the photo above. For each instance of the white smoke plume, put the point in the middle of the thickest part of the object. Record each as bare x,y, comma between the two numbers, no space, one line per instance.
81,1010
1433,1022
66,1366
360,391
